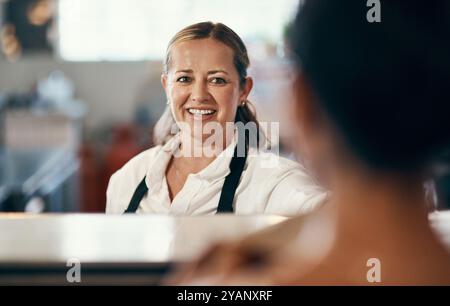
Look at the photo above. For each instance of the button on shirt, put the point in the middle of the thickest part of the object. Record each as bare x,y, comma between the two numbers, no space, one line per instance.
269,185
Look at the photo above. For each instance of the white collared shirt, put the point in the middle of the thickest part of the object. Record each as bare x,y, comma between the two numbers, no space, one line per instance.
285,189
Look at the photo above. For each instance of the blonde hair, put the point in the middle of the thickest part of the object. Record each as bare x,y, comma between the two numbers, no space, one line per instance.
218,31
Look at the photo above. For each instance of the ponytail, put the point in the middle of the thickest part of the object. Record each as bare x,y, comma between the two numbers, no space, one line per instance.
246,113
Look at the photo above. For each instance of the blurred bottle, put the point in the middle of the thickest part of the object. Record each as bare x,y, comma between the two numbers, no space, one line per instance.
122,148
56,90
89,180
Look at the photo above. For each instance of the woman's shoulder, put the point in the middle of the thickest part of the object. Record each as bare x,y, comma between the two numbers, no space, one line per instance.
271,163
136,166
287,188
273,170
135,169
125,180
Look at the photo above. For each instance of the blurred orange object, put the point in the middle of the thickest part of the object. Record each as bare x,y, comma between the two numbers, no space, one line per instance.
89,180
123,147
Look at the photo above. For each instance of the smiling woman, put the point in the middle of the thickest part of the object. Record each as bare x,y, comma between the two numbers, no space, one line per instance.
200,56
206,83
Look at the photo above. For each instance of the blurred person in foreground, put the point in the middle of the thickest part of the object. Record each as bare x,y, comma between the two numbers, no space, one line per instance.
371,110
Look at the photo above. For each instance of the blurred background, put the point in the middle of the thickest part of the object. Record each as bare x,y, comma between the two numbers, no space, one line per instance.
80,90
80,87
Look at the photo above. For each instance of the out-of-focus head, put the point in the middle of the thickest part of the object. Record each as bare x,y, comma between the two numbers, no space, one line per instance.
378,92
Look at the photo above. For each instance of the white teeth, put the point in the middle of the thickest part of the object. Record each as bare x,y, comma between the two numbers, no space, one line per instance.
201,111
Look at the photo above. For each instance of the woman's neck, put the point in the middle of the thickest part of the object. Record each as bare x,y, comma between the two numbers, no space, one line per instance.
384,211
194,155
378,201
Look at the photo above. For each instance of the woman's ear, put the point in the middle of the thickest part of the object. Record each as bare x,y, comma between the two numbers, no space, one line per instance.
247,89
164,81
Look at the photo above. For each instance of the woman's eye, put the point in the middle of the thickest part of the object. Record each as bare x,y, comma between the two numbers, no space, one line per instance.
218,81
184,79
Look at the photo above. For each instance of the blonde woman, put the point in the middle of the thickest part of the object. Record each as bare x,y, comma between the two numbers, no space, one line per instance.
206,83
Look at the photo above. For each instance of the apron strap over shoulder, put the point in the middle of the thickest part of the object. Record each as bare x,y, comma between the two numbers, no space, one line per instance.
231,183
139,193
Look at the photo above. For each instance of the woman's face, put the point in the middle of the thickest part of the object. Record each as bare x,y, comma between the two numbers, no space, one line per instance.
202,83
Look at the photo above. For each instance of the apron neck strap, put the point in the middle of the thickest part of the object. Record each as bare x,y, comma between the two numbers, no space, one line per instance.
230,185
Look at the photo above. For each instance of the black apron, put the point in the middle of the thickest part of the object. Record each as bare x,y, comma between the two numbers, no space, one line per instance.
228,190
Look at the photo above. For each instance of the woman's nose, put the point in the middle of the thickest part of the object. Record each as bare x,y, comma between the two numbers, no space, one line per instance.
200,92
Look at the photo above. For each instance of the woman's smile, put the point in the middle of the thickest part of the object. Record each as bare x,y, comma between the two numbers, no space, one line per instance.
201,113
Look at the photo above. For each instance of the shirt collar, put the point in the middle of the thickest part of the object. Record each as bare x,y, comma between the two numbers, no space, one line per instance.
220,166
217,169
